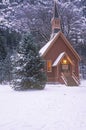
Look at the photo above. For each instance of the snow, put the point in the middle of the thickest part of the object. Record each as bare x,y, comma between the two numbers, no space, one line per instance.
58,59
47,45
57,107
1,19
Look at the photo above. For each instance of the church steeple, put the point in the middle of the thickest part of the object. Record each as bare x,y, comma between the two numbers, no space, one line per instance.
55,20
55,13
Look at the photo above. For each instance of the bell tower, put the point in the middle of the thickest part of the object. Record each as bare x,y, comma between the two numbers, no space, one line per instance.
55,21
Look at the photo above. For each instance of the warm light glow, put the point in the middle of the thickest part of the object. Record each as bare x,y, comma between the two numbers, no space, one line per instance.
49,66
64,61
49,63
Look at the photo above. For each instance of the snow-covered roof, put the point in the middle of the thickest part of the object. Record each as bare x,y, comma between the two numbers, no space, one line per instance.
58,59
46,46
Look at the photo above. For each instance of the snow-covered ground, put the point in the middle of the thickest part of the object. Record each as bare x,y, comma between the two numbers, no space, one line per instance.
55,108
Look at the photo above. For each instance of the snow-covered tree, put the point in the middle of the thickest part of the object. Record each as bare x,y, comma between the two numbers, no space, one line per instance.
28,66
84,7
35,15
8,42
72,21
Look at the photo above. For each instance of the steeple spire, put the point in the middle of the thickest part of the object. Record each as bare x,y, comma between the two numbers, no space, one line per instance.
55,20
55,14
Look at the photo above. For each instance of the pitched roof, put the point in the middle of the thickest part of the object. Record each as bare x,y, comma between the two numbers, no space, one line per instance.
47,46
58,59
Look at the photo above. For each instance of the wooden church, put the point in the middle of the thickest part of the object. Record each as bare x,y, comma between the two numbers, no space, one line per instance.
62,61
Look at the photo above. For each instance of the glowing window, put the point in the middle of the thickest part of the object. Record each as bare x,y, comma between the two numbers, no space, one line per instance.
64,62
49,66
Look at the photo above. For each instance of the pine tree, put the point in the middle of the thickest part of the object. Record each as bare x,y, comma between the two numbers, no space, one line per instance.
28,66
84,7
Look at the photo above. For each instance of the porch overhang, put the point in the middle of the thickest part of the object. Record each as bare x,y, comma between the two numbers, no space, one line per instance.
60,57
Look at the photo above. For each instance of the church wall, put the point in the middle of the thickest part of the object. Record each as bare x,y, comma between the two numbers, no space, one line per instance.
58,47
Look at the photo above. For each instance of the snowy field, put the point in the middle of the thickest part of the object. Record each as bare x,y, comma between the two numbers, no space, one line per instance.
55,108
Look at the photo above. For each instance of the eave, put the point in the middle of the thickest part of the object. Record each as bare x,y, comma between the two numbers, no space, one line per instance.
44,50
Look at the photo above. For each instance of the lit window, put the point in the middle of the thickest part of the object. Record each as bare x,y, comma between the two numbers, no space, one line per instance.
49,66
64,61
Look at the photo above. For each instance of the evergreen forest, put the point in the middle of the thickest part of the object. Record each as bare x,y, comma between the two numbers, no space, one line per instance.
19,17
